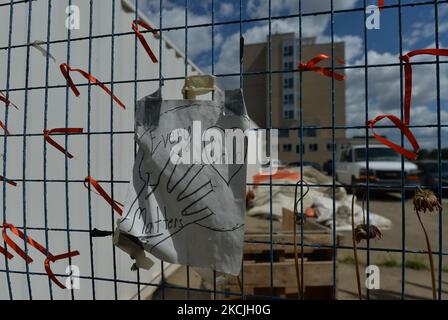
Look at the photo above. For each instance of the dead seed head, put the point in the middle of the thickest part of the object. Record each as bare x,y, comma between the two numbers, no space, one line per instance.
361,232
426,200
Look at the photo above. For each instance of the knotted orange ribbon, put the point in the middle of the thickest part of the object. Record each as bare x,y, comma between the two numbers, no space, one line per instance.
142,39
404,129
47,138
21,235
37,246
2,125
6,253
115,204
66,69
311,66
408,76
52,258
6,100
10,182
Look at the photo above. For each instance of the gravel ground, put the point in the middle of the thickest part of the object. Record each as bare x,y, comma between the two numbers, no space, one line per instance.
417,280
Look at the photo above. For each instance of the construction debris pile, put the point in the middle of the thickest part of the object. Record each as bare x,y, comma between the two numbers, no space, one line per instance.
316,191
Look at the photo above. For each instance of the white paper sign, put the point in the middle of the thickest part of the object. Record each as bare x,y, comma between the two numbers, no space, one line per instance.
186,203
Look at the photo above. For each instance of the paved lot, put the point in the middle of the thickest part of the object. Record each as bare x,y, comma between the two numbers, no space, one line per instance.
417,280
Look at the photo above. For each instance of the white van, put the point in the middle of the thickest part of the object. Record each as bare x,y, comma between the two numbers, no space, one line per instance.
385,168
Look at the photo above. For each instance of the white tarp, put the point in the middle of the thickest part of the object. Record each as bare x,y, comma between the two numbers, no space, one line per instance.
319,198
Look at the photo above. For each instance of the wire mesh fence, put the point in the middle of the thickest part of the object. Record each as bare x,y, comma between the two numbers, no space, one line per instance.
42,192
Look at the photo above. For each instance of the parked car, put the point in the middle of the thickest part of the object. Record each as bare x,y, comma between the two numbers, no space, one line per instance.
385,167
306,164
430,174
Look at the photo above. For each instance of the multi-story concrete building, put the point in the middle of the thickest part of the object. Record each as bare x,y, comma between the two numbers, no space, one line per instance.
285,97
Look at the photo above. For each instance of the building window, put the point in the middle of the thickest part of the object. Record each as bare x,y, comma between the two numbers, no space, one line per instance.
289,65
313,147
283,133
288,51
298,149
309,132
288,99
288,114
287,147
329,147
288,83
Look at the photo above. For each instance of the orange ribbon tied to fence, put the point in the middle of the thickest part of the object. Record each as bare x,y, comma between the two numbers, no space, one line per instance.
21,235
408,76
6,101
4,252
66,69
142,39
406,132
52,258
311,66
47,138
37,246
10,182
115,204
2,125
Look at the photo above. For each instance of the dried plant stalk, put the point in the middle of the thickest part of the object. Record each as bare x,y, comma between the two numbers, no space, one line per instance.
431,260
355,249
296,253
427,200
296,259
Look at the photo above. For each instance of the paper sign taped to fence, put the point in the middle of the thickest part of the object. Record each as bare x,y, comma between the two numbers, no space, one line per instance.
186,202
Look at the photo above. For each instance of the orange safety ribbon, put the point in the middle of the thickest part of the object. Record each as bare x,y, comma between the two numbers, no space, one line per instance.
6,253
21,235
37,246
381,4
10,182
66,69
404,129
52,258
6,100
115,204
311,66
47,138
2,125
408,76
142,39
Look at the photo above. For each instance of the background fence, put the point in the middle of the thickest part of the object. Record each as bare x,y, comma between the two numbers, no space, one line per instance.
50,203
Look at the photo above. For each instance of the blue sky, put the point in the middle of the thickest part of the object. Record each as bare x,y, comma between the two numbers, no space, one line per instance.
383,46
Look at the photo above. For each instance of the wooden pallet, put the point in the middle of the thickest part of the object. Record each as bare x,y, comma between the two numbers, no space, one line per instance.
317,263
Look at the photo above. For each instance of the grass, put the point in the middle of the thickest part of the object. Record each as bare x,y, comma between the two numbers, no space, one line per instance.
347,260
416,264
390,262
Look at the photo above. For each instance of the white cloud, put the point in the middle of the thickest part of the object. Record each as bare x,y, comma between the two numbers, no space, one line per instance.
199,39
260,8
228,59
226,9
384,95
424,31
